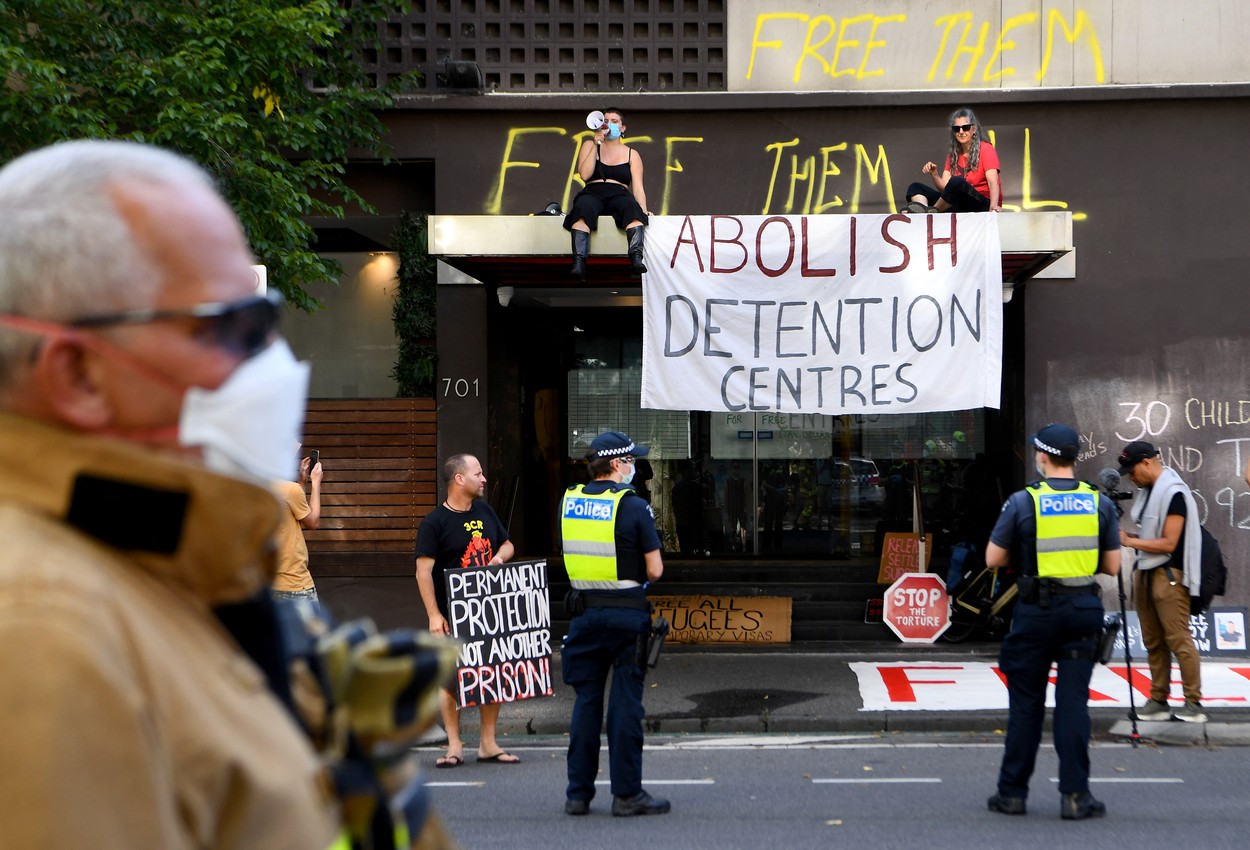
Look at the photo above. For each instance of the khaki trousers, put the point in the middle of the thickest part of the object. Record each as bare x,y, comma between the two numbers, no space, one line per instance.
1164,612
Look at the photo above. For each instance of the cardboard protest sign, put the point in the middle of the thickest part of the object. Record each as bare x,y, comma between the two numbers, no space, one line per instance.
502,614
827,314
900,554
725,619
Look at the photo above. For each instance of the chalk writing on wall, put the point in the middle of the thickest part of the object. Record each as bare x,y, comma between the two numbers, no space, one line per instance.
1189,401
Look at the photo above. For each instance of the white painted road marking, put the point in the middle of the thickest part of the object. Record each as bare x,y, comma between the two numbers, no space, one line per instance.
1134,780
666,782
918,780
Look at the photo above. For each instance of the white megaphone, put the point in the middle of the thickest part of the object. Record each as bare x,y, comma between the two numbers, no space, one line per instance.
594,120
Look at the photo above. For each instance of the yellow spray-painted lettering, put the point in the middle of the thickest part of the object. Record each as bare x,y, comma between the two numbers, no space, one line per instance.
1002,45
811,181
843,41
779,147
672,165
806,173
494,206
1026,184
775,45
851,46
803,170
877,20
828,168
812,49
877,172
821,29
974,51
1082,21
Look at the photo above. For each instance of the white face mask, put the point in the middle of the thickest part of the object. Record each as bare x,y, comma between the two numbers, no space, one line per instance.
628,478
251,424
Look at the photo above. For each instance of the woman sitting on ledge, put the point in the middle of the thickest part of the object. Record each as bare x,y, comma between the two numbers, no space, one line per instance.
612,172
969,180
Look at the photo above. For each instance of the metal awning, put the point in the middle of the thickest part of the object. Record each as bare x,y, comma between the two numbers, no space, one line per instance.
531,254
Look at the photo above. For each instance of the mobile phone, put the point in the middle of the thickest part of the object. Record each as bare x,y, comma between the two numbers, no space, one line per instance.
314,458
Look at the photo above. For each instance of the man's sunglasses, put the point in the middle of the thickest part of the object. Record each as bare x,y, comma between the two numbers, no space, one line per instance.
962,128
241,327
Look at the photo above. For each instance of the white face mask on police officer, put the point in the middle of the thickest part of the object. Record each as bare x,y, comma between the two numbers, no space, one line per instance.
628,477
250,424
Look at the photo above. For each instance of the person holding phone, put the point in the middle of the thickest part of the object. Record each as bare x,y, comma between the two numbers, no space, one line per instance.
293,580
612,172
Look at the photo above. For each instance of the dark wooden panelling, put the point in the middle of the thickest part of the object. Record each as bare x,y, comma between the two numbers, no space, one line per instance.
381,478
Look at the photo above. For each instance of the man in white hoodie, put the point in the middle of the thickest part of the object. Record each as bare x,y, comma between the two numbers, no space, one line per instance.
1169,557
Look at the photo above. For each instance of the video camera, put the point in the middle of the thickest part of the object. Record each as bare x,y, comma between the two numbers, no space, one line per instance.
1109,483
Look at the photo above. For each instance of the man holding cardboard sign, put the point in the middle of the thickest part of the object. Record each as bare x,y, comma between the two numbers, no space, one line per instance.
461,532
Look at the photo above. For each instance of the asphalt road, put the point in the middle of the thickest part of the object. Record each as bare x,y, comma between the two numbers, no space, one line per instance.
897,791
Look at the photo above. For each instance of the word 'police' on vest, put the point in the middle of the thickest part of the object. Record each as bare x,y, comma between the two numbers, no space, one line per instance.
1067,504
583,508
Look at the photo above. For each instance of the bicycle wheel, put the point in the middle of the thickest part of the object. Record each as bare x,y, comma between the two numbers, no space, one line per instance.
961,628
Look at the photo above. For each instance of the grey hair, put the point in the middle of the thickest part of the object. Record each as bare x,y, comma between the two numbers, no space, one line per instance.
974,147
65,249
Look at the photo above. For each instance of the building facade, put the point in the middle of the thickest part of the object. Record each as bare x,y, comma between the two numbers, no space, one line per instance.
825,108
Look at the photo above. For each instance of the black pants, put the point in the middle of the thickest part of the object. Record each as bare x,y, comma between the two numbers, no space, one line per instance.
958,193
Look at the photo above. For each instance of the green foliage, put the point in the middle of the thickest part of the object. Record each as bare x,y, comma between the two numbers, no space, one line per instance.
415,310
266,94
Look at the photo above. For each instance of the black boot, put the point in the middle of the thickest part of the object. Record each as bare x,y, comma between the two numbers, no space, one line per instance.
635,236
581,249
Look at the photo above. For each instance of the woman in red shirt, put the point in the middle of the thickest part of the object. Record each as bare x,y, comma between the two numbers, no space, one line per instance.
968,181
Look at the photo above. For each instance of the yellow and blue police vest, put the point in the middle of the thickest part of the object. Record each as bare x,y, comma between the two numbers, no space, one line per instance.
588,526
1067,530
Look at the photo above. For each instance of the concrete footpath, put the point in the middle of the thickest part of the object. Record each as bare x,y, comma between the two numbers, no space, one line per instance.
813,689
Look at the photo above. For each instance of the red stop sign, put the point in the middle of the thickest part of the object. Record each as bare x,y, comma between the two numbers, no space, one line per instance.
917,608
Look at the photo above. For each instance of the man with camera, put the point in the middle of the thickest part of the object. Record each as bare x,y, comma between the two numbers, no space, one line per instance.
1169,562
1060,532
611,552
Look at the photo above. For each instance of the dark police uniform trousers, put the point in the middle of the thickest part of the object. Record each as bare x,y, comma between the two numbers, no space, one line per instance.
1065,631
604,640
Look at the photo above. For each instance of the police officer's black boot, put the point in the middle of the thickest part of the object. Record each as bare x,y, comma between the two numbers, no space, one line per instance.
581,250
635,237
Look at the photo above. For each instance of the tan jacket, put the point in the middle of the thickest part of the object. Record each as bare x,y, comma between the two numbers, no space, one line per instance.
129,718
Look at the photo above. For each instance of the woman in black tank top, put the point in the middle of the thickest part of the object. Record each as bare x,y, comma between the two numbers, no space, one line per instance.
612,172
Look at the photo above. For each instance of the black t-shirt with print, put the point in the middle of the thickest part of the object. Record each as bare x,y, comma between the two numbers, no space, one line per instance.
458,539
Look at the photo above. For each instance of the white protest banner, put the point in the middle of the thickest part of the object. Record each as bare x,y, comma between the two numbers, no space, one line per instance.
827,314
502,613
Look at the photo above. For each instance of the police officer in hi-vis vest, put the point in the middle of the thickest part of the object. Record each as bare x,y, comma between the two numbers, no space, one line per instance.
611,552
1060,532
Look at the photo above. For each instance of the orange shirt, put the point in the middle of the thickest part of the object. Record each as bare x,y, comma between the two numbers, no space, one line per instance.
292,551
